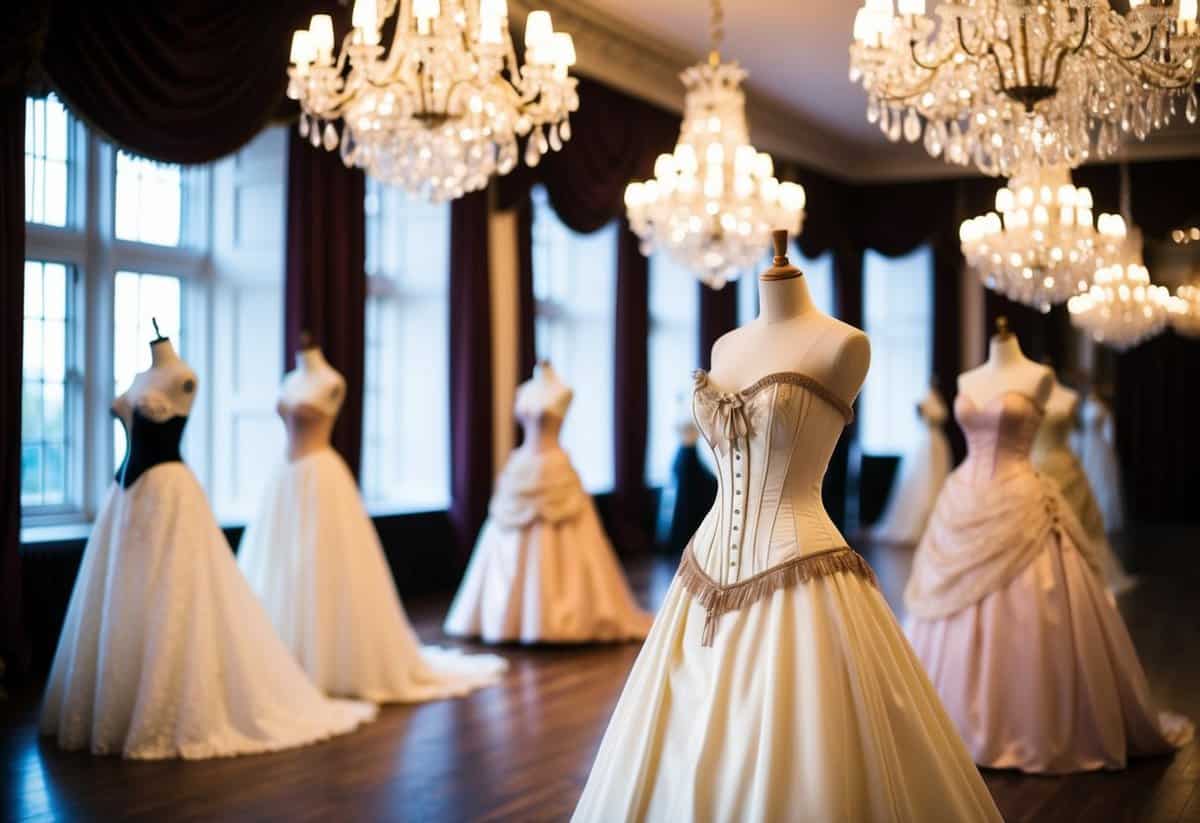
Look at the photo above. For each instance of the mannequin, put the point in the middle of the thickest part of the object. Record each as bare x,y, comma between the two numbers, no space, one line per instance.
688,493
774,623
1007,369
1098,454
165,652
791,335
543,570
314,558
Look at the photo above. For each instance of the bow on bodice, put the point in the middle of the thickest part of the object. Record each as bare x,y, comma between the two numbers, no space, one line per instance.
729,414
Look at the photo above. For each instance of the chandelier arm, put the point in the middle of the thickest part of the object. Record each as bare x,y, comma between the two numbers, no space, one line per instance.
933,66
1133,56
1067,49
1149,77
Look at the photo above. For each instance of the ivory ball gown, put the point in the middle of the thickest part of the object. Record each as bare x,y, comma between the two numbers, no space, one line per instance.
776,684
543,570
922,473
165,651
313,556
1052,457
1098,455
1010,615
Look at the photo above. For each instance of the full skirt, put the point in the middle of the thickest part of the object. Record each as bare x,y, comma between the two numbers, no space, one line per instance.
810,705
315,560
165,651
921,476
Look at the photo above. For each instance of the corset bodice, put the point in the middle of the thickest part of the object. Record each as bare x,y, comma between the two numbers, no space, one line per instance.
541,428
309,428
771,443
151,443
999,434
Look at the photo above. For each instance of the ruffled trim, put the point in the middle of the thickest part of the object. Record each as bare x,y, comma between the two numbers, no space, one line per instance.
702,383
718,600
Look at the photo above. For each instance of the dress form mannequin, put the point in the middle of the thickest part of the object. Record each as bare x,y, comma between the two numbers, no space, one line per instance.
791,334
1097,453
688,493
775,684
315,560
542,570
1007,369
165,652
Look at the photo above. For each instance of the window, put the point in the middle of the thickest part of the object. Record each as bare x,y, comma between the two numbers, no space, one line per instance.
49,384
48,163
140,300
898,308
406,396
149,201
674,337
818,274
574,286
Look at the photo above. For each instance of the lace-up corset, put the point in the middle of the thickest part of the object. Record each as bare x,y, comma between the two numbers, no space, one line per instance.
768,527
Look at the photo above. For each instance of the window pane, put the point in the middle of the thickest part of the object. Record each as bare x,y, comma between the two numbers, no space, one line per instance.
149,200
406,420
898,309
673,348
575,284
47,382
48,161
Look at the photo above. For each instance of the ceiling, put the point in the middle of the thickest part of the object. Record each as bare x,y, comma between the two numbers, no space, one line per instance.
796,53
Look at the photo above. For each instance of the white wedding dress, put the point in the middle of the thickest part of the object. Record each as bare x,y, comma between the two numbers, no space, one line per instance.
922,472
313,556
165,651
543,570
775,684
1098,454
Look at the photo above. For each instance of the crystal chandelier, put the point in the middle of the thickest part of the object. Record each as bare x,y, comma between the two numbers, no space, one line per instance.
439,111
1122,308
1039,247
1006,83
1185,310
714,201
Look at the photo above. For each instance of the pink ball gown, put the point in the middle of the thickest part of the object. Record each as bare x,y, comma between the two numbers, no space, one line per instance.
1009,613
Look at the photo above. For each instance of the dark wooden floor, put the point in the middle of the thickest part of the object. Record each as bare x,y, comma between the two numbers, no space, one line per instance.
521,751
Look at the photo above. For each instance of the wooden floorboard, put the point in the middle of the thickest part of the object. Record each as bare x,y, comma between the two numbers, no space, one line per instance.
521,751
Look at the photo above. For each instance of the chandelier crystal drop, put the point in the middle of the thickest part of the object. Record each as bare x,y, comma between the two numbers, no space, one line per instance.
1185,310
439,110
1039,247
1122,308
714,201
1004,83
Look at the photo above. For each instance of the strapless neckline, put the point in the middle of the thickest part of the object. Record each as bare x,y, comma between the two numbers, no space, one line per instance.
991,401
704,384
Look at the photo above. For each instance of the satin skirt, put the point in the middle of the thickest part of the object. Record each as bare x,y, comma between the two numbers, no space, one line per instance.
165,651
809,706
313,556
1041,675
546,582
922,474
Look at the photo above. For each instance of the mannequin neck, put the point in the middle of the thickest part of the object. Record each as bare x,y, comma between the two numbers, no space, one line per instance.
784,299
544,373
162,353
310,360
1005,351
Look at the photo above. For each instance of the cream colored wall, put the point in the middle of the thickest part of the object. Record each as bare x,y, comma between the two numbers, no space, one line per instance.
502,265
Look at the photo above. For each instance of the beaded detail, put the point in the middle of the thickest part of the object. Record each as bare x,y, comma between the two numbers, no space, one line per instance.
717,599
704,384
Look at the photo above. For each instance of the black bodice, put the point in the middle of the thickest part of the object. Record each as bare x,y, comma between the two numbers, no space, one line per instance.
150,444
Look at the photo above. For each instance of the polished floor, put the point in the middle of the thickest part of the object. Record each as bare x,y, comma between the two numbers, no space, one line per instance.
521,751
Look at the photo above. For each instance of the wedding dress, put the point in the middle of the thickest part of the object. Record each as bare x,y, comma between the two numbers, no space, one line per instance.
1010,616
543,570
1052,456
775,684
1098,455
165,652
313,556
922,472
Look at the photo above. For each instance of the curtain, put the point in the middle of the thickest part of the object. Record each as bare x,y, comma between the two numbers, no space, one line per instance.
13,647
326,285
470,368
631,400
182,82
718,312
526,304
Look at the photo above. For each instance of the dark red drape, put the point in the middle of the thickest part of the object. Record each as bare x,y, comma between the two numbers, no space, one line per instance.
526,305
631,402
470,368
326,284
182,82
13,647
718,314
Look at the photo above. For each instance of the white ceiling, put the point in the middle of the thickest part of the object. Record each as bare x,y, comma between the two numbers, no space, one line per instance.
797,56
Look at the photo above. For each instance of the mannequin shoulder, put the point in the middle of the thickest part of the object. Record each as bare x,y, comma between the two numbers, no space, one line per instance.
1043,382
851,349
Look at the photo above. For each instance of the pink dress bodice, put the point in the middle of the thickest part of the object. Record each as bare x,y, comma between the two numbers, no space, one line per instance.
999,434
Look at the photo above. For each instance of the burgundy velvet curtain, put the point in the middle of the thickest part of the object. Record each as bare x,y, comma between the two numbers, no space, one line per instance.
526,304
631,401
471,467
13,645
718,312
326,284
